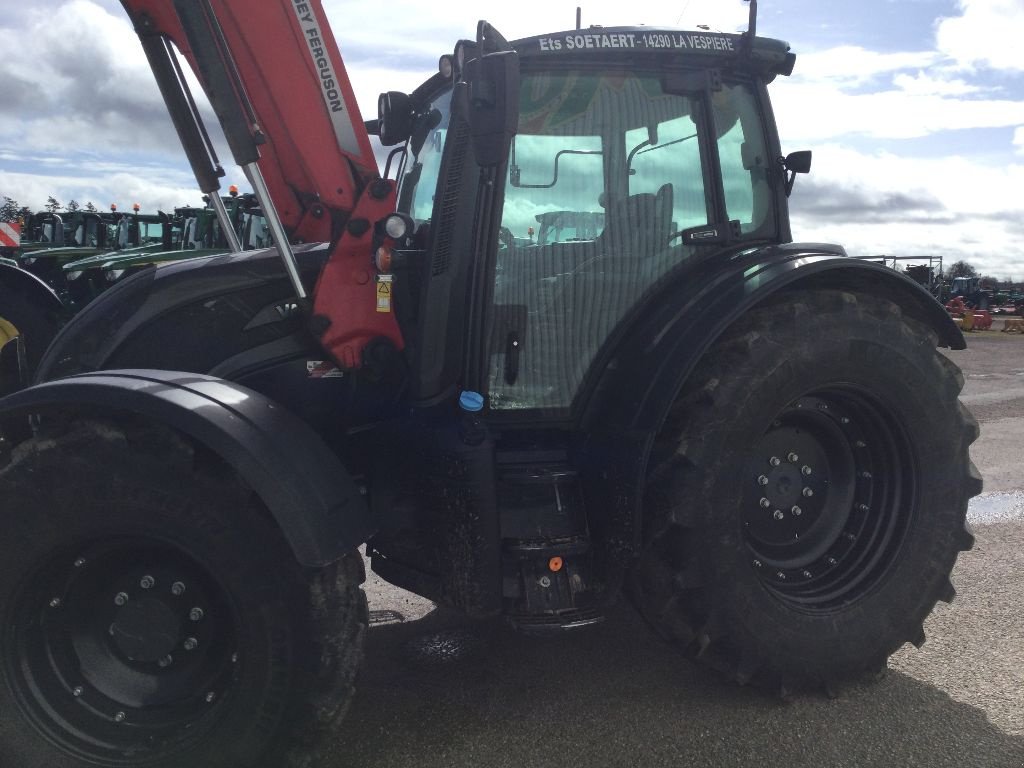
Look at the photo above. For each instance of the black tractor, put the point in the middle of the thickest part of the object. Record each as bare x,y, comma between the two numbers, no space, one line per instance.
756,440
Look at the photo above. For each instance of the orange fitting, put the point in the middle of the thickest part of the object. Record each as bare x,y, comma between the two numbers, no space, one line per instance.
555,564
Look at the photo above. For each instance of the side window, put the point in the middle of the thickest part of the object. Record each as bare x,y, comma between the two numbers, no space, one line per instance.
744,158
674,158
554,189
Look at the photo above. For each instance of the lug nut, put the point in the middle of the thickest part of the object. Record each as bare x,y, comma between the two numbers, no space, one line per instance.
544,581
119,717
806,470
775,461
808,575
765,503
845,420
778,514
78,691
234,658
762,480
861,444
121,599
830,560
796,511
191,644
757,563
147,582
55,603
808,492
196,614
781,576
866,475
79,562
165,662
793,458
863,507
210,697
177,589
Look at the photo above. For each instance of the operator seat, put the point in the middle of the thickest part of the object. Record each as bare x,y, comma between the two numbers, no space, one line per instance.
639,225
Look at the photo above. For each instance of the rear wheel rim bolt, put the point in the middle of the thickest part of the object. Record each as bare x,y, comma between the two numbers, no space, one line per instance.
119,717
765,503
78,691
797,511
806,470
191,644
196,614
177,589
808,492
775,461
121,598
147,582
165,662
762,480
779,515
793,458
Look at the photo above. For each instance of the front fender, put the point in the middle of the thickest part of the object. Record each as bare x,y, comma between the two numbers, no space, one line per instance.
308,491
27,285
651,361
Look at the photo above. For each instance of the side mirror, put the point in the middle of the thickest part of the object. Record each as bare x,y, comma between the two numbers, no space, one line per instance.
490,100
798,162
394,117
794,163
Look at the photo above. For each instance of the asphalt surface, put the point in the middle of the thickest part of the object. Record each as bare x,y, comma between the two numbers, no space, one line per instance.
444,691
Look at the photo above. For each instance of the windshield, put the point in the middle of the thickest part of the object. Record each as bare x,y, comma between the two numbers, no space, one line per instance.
423,159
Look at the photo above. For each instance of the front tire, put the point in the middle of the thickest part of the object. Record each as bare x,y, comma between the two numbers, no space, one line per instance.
808,494
153,616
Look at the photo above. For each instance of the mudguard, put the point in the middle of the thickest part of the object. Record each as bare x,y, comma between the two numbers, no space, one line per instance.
24,283
306,488
626,405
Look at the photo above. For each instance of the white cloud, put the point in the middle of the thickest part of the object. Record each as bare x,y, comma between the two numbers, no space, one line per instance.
944,206
1018,140
159,191
988,34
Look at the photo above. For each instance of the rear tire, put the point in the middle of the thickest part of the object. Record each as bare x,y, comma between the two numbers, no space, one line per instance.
153,615
808,493
20,318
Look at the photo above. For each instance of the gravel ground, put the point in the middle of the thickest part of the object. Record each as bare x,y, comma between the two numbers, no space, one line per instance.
442,691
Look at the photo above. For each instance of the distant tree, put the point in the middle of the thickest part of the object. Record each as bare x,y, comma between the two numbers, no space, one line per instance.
90,207
962,269
72,206
53,204
10,210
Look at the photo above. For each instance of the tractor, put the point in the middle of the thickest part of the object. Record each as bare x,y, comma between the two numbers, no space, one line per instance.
755,440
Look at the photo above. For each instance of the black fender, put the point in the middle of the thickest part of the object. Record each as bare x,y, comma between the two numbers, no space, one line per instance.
308,491
650,361
24,283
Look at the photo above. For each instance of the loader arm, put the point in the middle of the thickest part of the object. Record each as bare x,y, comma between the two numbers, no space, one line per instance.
275,78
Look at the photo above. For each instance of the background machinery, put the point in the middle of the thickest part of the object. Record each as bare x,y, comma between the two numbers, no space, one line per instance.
682,405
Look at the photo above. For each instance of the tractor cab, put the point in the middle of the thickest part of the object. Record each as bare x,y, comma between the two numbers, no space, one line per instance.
651,150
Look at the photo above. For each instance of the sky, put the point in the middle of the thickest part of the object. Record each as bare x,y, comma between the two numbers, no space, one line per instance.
914,109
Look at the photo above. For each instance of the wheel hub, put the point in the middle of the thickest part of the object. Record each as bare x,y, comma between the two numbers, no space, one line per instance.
146,631
813,508
126,639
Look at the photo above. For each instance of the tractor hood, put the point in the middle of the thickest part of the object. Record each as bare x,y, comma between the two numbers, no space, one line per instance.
152,319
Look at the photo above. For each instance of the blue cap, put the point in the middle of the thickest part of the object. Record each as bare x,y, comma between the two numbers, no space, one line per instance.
471,401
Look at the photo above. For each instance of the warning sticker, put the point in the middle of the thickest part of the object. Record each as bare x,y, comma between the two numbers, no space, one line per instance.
383,293
323,369
10,235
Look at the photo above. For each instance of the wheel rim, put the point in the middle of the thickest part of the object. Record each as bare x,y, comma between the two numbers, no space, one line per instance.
8,331
828,497
123,650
